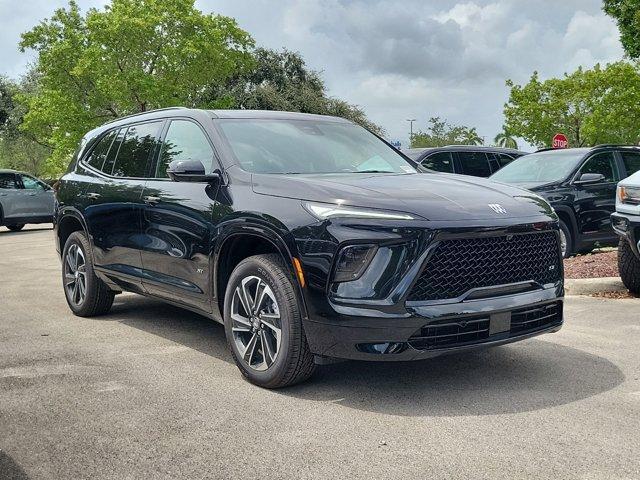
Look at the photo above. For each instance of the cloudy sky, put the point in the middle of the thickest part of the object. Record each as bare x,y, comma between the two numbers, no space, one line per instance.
402,59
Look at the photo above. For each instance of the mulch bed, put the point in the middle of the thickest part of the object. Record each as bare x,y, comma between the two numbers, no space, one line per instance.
599,263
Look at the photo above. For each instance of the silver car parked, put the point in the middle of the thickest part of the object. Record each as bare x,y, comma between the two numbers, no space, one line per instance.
24,199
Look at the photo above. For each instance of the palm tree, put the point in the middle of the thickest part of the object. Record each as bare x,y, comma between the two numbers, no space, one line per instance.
505,139
471,137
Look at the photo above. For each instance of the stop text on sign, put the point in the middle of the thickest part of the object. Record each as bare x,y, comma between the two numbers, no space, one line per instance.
560,141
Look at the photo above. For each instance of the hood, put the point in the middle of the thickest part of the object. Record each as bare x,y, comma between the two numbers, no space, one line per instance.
432,196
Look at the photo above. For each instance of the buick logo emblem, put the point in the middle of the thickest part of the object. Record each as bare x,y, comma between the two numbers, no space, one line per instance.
496,207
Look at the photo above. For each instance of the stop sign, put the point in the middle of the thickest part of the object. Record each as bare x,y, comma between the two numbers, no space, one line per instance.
560,141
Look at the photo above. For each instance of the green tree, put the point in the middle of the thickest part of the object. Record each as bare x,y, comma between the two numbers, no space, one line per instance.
440,133
18,149
505,139
627,14
280,80
132,56
589,106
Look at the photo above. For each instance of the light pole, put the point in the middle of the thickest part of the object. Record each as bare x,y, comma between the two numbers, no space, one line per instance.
410,120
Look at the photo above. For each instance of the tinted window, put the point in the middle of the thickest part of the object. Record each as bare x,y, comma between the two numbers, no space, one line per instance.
504,159
602,163
113,151
474,163
99,154
31,183
631,161
8,181
440,162
135,150
309,146
184,141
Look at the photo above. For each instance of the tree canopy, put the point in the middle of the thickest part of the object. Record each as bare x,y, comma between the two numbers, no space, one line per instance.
627,15
132,56
589,106
440,133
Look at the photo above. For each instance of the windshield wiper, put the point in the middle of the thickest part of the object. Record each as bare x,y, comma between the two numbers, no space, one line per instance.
373,171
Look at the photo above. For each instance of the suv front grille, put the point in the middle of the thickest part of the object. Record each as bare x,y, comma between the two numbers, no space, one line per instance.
459,265
455,333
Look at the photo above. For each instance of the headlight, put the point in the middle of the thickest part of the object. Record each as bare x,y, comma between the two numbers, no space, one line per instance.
323,211
630,195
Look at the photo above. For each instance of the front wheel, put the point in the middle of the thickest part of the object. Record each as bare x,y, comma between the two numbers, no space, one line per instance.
566,240
16,227
629,267
263,324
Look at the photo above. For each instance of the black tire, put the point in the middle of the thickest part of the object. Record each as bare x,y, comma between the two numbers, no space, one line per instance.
629,267
569,238
98,297
293,360
16,227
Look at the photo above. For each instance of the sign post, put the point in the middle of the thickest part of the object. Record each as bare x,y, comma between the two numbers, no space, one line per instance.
560,141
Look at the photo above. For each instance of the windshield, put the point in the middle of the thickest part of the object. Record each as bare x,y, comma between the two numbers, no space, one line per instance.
309,146
543,167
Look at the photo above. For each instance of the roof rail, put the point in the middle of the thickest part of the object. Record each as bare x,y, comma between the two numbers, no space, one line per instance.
617,145
144,113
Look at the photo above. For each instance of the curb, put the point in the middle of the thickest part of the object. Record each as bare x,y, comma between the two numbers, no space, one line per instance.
589,286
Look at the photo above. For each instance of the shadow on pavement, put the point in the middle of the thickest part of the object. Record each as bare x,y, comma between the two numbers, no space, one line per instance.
9,469
522,377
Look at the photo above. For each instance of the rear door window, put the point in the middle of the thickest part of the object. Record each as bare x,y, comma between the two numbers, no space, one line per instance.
99,153
8,181
135,151
474,163
440,162
631,161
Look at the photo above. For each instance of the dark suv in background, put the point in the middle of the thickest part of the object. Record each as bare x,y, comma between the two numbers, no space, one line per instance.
464,159
580,184
308,237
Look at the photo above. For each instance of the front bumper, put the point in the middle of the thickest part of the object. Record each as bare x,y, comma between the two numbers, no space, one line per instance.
391,337
628,227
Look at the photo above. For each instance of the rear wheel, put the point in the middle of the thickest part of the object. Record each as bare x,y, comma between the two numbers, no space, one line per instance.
86,294
16,227
629,267
263,324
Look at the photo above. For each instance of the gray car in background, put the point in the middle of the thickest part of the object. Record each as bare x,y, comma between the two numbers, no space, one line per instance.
24,199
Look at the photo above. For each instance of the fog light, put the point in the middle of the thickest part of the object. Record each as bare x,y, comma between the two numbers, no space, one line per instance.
620,224
353,261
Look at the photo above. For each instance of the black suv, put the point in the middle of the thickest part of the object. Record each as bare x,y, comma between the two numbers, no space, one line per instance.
580,184
464,159
308,237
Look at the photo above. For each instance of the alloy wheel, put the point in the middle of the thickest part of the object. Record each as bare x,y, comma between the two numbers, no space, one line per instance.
75,275
256,323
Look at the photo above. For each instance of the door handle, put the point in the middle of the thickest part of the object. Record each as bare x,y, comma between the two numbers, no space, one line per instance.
32,194
151,200
92,195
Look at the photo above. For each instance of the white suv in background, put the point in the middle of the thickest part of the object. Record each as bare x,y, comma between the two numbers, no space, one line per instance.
626,223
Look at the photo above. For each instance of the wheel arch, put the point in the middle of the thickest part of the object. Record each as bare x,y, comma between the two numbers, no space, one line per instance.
68,221
242,241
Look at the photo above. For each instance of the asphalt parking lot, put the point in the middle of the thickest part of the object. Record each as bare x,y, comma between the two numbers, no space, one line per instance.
150,391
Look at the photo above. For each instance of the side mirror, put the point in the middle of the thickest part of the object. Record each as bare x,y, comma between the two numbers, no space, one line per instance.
190,171
589,178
